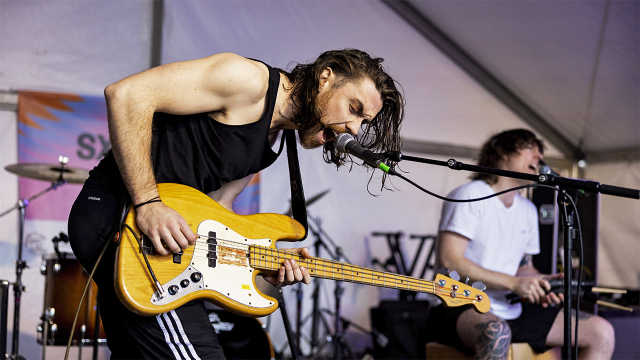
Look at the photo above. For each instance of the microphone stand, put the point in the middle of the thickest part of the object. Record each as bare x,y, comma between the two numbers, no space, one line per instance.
567,212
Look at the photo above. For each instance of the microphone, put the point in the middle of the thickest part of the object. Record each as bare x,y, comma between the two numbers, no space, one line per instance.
346,143
546,170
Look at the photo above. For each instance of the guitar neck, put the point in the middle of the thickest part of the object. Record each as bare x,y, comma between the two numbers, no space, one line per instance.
268,259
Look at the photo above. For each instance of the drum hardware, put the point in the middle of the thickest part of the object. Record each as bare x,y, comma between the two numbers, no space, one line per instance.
4,310
64,284
58,175
46,326
83,331
52,173
62,237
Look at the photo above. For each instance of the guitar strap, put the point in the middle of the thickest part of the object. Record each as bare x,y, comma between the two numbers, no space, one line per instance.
298,206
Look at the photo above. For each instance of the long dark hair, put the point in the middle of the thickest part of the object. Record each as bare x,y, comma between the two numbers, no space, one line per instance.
382,133
502,145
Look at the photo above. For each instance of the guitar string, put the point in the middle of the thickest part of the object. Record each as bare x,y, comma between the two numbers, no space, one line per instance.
332,266
346,270
328,264
369,275
368,280
430,287
408,281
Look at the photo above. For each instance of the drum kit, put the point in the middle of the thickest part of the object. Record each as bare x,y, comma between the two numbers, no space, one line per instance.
64,274
65,279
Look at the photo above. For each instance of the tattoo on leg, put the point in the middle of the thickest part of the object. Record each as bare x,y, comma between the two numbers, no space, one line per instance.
494,340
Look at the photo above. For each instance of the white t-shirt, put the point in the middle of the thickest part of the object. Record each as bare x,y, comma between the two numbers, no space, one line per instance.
500,236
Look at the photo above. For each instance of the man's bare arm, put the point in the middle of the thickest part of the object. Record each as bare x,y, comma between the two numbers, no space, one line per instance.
526,269
228,192
225,83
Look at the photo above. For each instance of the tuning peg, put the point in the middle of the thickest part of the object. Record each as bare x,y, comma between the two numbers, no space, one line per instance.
454,275
479,285
466,281
443,270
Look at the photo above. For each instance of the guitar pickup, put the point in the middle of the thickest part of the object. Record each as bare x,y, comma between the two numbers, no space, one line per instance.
212,248
177,257
147,246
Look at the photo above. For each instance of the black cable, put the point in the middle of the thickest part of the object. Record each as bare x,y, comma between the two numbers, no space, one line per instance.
579,274
525,187
144,255
476,199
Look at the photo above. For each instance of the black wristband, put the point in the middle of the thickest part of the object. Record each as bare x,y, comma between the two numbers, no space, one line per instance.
155,199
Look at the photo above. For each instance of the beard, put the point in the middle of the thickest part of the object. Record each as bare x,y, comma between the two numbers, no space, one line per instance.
308,130
308,135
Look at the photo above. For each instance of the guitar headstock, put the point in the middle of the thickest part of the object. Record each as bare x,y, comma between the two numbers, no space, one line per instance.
454,293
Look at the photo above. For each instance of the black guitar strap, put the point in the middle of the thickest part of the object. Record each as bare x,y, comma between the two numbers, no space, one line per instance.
298,206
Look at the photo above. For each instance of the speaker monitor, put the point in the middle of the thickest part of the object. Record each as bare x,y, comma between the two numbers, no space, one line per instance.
404,324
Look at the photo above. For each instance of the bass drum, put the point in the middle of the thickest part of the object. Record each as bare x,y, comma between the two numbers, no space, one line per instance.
65,281
241,337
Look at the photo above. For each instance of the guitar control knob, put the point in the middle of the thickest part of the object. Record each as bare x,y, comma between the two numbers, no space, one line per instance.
195,277
184,283
173,289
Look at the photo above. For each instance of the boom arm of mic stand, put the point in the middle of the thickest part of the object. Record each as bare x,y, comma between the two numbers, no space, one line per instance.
585,185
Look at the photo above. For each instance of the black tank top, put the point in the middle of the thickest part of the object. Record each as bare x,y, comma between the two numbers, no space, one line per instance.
200,152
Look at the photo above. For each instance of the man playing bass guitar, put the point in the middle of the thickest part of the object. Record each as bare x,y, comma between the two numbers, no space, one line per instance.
209,124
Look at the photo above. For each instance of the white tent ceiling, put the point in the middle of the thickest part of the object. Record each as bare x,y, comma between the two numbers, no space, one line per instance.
574,63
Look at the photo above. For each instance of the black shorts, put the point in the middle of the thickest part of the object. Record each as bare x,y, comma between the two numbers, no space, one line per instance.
531,327
183,333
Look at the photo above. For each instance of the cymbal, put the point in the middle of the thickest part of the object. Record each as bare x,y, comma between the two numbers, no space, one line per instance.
49,172
309,202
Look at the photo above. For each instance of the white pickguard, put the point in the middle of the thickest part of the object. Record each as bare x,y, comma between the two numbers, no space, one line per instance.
232,277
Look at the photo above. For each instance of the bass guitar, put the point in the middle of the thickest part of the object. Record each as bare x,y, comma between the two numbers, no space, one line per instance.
231,250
